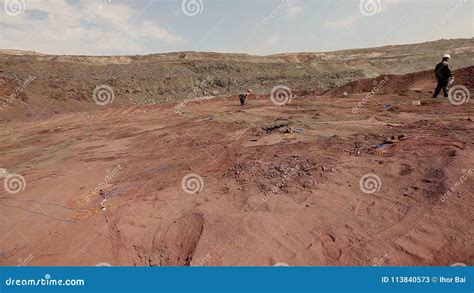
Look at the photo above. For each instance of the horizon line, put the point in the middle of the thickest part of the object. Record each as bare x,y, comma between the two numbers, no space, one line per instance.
229,53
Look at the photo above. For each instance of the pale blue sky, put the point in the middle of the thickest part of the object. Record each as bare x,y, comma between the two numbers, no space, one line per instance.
110,27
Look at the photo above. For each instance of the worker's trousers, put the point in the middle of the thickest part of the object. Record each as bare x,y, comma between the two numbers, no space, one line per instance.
443,84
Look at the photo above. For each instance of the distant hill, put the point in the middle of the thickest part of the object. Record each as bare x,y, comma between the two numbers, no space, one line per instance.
63,83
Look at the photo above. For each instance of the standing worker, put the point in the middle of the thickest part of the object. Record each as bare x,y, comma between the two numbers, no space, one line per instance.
444,76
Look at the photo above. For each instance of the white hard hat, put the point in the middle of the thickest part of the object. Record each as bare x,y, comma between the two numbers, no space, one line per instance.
447,56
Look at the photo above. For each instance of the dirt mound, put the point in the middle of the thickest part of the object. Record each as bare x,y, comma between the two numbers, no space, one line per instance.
273,176
465,76
397,84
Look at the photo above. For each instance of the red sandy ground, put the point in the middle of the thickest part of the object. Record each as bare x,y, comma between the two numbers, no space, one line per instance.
268,197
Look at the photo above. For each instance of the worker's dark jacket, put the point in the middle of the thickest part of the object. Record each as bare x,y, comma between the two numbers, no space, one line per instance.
443,71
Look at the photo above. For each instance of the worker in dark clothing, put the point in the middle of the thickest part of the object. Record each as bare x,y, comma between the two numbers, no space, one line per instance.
243,98
444,76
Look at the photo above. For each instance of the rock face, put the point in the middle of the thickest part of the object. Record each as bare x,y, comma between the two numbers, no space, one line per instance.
422,81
